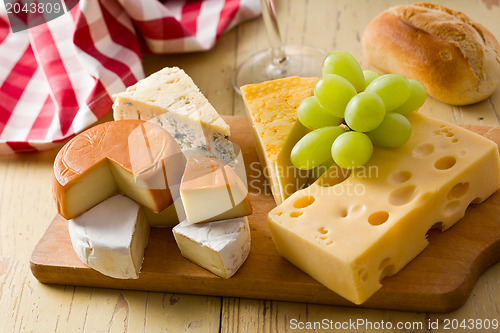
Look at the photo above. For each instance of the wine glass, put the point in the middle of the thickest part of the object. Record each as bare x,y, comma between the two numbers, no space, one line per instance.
279,60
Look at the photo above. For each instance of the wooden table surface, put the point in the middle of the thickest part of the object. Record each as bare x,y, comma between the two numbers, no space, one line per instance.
26,206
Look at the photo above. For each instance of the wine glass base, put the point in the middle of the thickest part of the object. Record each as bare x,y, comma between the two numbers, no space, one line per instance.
302,61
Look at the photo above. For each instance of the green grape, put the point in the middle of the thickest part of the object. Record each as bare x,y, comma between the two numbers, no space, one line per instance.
342,63
333,92
394,89
352,150
393,132
416,99
313,116
370,76
314,148
364,112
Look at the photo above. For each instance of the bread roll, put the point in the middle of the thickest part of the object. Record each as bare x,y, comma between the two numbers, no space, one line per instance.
455,58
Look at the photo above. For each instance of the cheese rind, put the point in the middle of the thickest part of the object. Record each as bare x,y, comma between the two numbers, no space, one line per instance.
272,109
134,157
350,235
170,99
220,246
211,191
111,237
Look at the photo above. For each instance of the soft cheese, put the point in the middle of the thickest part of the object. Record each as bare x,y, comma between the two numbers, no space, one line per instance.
272,109
170,99
211,191
135,157
350,235
220,247
111,237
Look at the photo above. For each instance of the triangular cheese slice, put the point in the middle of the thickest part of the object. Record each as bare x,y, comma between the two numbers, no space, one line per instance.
111,237
170,99
220,246
212,191
272,109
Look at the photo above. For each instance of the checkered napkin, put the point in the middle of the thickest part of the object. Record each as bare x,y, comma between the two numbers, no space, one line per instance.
57,78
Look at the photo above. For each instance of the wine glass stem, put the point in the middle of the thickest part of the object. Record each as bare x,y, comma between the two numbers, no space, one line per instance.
273,31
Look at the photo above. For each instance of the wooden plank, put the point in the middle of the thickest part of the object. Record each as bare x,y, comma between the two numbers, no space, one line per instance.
440,279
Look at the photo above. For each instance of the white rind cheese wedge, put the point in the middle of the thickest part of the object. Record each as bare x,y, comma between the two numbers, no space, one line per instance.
212,191
170,99
220,247
111,237
350,235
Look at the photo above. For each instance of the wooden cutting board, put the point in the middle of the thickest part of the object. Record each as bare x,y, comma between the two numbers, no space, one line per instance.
438,280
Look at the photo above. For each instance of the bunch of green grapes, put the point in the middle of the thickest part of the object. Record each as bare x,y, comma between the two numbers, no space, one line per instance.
351,111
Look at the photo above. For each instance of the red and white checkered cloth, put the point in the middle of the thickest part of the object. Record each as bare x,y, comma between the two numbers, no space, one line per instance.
56,79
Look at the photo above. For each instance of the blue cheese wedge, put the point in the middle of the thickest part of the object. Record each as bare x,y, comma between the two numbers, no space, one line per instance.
220,247
170,99
111,237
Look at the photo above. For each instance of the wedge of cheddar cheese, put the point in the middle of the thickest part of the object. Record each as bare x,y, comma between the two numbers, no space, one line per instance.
133,157
272,109
349,235
170,99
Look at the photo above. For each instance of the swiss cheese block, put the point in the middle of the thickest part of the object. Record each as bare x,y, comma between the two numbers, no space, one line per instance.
134,157
211,191
170,99
220,246
272,109
350,235
111,237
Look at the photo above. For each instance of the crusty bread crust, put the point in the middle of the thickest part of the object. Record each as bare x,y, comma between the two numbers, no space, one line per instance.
456,59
